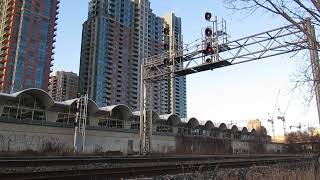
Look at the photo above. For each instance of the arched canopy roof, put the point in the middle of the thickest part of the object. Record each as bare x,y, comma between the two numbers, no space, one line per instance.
253,131
155,115
244,130
209,125
39,94
193,122
222,127
124,111
234,128
172,119
6,96
92,106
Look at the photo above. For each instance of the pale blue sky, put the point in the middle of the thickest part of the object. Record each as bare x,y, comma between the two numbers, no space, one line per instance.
241,92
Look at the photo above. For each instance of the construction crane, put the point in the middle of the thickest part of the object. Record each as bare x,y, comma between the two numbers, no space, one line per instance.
271,118
213,52
283,119
237,122
303,125
298,127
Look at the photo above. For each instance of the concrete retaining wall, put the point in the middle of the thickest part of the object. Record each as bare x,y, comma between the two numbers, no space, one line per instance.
22,137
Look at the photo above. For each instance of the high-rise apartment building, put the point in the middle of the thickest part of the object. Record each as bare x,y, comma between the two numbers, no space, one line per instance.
63,86
27,35
176,87
107,72
116,38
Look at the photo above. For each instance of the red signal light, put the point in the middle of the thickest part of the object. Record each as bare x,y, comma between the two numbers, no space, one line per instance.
208,50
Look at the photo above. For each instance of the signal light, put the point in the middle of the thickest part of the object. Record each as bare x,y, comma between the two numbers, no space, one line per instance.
166,61
209,60
208,50
165,46
208,16
166,30
76,124
208,32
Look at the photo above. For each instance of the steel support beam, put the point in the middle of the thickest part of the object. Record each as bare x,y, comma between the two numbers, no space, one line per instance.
314,55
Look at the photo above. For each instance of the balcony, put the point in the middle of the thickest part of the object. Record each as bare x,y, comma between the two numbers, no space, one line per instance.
2,55
4,48
6,34
5,41
8,15
7,28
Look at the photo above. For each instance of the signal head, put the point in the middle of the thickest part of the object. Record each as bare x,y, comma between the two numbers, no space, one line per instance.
166,61
208,16
165,46
208,32
166,30
208,50
208,60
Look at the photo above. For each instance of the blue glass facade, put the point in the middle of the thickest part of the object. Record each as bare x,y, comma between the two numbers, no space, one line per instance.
104,67
29,54
115,39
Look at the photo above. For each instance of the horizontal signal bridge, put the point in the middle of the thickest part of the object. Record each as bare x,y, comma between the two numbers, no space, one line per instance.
192,59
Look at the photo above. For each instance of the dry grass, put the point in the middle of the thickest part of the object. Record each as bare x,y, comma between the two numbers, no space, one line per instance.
297,171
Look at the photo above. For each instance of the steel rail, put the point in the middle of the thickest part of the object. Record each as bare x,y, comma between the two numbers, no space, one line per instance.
71,160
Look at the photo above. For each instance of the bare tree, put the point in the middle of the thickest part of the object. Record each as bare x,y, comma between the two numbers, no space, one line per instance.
295,12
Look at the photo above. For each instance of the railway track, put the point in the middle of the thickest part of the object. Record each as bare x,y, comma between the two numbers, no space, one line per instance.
76,160
95,167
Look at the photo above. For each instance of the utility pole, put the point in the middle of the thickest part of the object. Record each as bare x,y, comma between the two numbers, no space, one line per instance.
145,133
314,55
142,110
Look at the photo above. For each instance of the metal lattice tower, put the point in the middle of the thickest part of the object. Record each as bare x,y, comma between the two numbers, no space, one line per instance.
80,124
